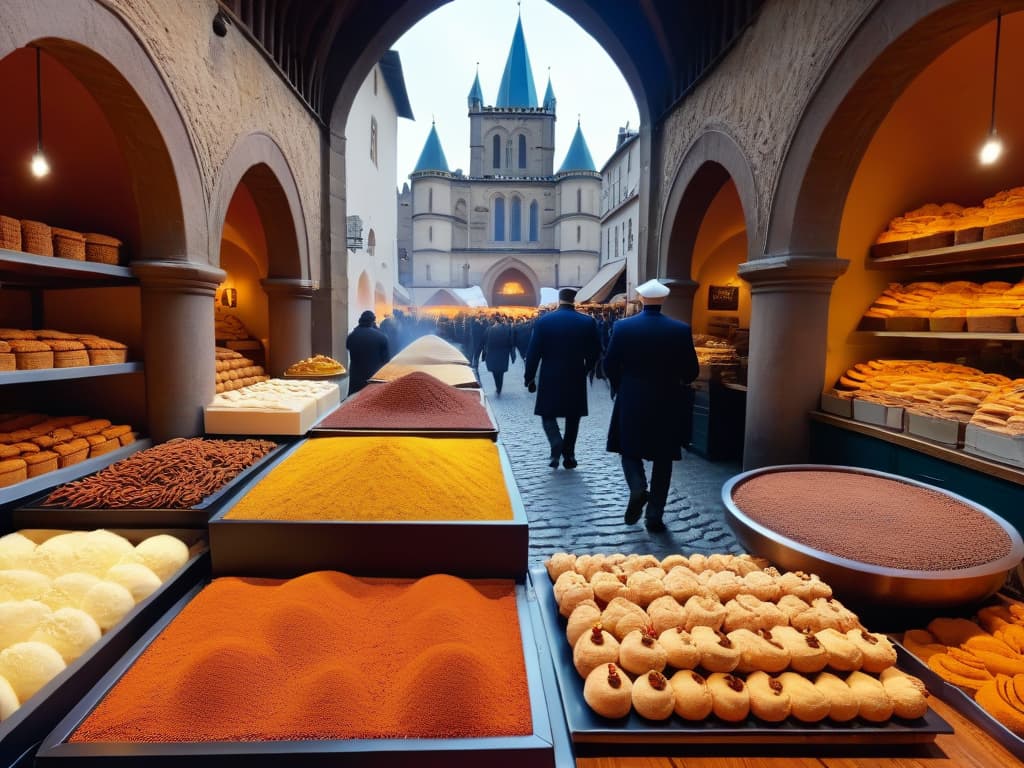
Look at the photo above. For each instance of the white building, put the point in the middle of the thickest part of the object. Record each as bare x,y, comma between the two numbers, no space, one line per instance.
371,162
514,224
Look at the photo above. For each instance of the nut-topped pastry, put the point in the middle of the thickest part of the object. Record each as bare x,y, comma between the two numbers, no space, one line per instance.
593,649
608,691
693,698
680,651
717,653
653,697
317,365
640,652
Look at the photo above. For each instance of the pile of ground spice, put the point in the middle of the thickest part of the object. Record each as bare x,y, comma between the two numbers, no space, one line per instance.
873,520
414,401
449,373
382,478
327,656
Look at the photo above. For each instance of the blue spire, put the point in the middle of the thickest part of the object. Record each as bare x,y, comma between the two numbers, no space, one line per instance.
549,95
578,157
517,88
432,157
476,94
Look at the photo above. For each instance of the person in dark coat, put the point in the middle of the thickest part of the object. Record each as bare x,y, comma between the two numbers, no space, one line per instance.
650,363
521,335
368,351
498,349
566,346
477,331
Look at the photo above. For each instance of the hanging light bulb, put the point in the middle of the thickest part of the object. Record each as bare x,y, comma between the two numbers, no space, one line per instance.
40,166
991,150
993,147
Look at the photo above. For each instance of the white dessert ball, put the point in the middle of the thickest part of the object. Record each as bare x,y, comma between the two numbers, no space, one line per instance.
107,603
15,548
163,554
98,550
29,666
19,584
68,591
136,578
19,619
69,631
8,700
56,555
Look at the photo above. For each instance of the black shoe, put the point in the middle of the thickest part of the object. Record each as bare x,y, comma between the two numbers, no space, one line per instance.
635,508
569,462
655,525
553,463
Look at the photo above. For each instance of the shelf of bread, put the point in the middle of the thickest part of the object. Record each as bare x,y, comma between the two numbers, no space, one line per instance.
34,350
30,270
992,309
63,374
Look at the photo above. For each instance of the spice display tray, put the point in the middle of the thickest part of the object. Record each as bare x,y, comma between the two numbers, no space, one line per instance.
534,751
489,433
587,727
34,515
22,731
287,548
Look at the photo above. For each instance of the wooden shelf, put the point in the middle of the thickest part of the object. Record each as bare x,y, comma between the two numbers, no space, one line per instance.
997,253
26,270
959,336
61,374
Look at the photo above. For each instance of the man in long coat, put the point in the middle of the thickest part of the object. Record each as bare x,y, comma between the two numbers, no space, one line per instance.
367,351
498,349
565,345
650,363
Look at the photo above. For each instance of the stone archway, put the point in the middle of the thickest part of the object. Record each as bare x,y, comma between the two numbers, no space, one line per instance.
515,270
512,288
364,292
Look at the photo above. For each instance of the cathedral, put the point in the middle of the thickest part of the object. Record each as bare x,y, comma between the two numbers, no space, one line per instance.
513,226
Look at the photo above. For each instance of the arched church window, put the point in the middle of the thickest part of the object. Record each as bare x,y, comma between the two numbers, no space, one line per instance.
499,218
496,143
371,242
516,221
522,151
430,200
579,201
534,216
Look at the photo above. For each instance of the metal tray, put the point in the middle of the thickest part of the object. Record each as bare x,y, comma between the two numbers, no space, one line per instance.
22,731
534,751
34,515
587,727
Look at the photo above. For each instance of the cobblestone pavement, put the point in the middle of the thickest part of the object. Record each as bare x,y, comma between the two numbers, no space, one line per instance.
581,510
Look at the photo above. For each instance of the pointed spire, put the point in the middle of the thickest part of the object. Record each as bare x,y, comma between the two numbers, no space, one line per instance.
476,94
517,89
432,157
578,157
549,94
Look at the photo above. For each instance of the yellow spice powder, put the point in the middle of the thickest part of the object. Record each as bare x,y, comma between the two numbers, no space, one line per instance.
382,478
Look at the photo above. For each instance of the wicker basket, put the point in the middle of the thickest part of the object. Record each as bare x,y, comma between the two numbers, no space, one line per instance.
36,238
68,244
102,248
10,233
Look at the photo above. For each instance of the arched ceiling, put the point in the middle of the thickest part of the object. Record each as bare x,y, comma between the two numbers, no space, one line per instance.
663,47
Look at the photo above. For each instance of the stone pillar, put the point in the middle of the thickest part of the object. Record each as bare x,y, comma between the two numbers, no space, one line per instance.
679,304
291,321
178,339
789,297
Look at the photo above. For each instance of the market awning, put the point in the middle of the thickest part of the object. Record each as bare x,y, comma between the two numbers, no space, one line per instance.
600,286
401,296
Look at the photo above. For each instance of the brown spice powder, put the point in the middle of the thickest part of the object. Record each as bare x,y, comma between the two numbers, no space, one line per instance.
873,520
382,478
326,656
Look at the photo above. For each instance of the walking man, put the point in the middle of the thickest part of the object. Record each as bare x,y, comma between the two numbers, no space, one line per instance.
650,363
367,351
565,345
498,349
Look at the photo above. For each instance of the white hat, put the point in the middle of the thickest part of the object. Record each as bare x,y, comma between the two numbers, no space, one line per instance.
652,292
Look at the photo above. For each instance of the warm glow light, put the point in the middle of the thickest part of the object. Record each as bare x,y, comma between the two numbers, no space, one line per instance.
991,151
511,288
39,165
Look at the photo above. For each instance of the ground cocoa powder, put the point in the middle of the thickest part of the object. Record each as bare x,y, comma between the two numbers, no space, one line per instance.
873,520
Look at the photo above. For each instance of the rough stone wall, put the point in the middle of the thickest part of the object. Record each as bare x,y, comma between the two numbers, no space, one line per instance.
225,89
759,91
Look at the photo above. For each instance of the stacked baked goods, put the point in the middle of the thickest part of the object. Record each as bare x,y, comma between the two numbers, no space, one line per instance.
1003,410
271,407
43,240
235,371
34,350
317,365
32,444
228,326
60,592
992,307
984,654
723,635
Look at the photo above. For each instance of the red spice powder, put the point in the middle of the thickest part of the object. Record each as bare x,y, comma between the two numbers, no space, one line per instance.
327,656
873,520
414,401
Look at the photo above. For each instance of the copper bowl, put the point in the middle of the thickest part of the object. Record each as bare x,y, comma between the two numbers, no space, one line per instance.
864,584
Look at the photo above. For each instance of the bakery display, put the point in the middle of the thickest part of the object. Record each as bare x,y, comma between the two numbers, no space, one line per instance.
990,307
317,365
45,348
234,371
270,407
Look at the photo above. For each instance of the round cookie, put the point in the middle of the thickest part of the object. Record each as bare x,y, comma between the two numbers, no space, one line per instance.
791,607
653,697
759,651
640,652
566,580
806,654
608,691
666,613
724,584
643,587
874,704
805,586
878,652
808,704
730,699
557,564
607,586
620,617
747,612
682,584
680,651
583,617
908,693
573,595
717,653
703,612
693,698
768,699
668,562
843,702
593,649
843,655
761,585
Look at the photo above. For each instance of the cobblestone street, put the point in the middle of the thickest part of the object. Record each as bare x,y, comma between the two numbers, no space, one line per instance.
581,510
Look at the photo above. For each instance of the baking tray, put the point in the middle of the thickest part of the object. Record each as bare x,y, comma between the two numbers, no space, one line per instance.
287,548
34,515
587,727
22,731
534,751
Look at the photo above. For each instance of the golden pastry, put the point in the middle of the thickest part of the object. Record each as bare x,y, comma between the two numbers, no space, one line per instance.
699,563
922,643
703,612
642,587
724,584
608,691
559,563
825,614
808,703
587,565
1003,698
747,612
769,701
806,654
573,595
843,702
620,617
875,706
593,649
792,606
878,652
759,651
693,698
666,613
634,563
671,561
843,655
653,697
682,584
908,693
717,653
680,652
607,585
960,668
761,585
806,586
583,617
564,581
730,699
640,652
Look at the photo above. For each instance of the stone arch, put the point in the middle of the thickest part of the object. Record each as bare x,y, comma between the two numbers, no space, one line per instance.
492,276
443,298
381,300
364,292
101,51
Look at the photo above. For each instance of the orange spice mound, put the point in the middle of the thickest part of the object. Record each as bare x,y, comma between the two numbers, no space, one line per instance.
382,478
327,656
414,401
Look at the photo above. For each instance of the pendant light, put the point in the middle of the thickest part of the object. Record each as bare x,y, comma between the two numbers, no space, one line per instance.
993,147
40,167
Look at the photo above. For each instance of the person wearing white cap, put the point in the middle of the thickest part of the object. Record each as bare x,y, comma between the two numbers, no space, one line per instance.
650,363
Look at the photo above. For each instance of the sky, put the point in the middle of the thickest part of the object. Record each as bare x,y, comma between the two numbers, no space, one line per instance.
439,57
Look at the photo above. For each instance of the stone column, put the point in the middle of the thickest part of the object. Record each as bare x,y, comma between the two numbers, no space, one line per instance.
178,339
291,321
789,297
679,304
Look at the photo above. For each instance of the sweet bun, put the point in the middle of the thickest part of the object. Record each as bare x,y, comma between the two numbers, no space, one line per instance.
759,651
620,617
730,699
641,652
843,702
608,691
806,654
843,655
769,701
878,652
693,697
666,613
608,585
653,697
703,612
717,653
908,693
808,703
583,617
593,649
874,702
680,651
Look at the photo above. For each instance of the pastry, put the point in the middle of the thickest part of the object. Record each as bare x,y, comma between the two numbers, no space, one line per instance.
564,582
878,652
769,701
703,612
843,655
593,649
874,703
620,617
40,463
747,612
717,653
29,666
1003,699
640,652
803,585
69,631
908,693
652,696
682,584
808,703
587,565
574,594
666,613
922,644
671,561
806,653
642,587
730,700
693,697
12,471
759,651
761,585
953,632
607,586
843,702
608,691
960,668
680,652
825,614
584,616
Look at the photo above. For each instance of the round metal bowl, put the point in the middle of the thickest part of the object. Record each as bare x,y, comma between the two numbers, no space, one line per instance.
864,584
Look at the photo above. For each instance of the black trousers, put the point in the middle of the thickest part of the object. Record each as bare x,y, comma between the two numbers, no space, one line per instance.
499,377
561,445
636,479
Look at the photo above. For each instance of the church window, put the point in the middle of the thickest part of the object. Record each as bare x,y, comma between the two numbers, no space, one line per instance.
430,234
371,242
579,200
630,239
428,273
508,153
616,241
608,246
497,152
522,151
430,200
374,81
579,232
499,218
534,211
373,140
515,226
